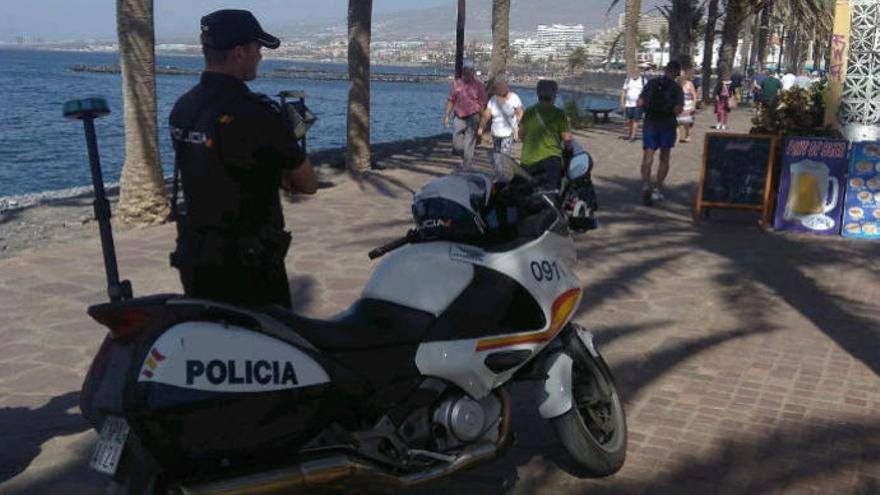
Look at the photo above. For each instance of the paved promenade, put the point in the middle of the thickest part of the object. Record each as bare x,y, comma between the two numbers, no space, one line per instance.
748,361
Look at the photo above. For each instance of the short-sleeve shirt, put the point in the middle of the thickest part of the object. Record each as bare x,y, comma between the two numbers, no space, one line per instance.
633,88
540,142
504,114
672,92
231,147
467,97
770,88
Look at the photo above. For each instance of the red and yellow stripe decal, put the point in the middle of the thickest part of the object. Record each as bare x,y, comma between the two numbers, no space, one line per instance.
562,308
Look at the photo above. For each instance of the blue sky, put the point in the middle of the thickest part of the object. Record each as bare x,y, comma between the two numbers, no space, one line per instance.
56,20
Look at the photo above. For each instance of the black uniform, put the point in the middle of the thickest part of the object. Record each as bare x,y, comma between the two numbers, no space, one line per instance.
231,146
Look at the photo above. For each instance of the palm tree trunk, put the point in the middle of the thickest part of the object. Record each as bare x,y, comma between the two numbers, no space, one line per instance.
142,199
746,49
681,22
756,42
764,36
357,152
459,37
633,13
818,50
737,10
708,49
500,40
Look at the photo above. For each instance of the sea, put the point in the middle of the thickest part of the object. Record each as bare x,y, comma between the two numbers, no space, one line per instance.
42,151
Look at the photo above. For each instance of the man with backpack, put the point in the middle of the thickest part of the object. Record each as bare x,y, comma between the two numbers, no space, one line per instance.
663,100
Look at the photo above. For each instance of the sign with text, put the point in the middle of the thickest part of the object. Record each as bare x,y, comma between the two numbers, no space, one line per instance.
736,172
810,187
861,214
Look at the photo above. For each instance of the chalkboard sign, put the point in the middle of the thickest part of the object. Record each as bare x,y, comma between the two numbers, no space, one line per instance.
736,173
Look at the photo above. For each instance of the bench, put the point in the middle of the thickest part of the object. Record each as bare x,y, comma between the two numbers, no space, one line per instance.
603,111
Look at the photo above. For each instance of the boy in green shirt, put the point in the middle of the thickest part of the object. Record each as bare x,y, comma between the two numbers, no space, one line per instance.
544,131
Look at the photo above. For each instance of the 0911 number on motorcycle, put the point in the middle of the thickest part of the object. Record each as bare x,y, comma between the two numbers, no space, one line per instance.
107,453
545,271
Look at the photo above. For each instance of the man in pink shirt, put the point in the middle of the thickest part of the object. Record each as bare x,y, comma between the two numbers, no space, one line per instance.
468,98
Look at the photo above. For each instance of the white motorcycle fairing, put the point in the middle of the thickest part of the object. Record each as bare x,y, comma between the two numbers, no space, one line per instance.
555,396
541,267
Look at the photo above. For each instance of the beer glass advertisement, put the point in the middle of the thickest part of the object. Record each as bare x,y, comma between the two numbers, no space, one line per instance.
810,188
861,215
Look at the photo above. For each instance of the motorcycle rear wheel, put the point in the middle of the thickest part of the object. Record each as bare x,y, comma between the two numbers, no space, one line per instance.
593,431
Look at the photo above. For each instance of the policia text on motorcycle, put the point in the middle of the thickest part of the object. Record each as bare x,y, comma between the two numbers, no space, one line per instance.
234,149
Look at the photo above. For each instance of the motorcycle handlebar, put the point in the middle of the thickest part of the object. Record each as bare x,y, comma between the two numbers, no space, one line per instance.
391,246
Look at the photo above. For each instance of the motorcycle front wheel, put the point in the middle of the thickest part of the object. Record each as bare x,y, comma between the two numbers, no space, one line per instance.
593,431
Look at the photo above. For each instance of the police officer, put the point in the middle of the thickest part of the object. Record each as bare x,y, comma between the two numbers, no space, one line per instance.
234,149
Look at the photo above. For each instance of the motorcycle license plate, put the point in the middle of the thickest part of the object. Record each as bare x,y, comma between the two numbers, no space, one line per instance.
107,453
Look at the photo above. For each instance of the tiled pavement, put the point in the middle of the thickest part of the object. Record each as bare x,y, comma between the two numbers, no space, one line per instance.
748,361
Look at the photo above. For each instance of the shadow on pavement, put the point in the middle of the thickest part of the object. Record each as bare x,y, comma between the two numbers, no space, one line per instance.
24,430
784,265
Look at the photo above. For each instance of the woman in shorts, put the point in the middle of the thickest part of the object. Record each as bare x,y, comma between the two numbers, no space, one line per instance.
686,117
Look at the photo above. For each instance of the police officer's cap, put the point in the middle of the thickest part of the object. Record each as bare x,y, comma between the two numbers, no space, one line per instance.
225,29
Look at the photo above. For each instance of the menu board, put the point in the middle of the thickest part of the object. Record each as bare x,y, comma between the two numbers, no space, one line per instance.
861,216
811,185
736,172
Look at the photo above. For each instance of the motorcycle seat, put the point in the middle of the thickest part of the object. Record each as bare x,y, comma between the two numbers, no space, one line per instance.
366,324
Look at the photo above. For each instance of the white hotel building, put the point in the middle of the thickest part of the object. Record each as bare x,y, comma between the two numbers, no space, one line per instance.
556,40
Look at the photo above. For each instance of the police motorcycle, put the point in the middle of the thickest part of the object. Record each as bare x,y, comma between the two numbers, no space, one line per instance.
407,386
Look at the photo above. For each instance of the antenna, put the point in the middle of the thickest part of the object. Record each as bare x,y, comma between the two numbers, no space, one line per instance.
88,110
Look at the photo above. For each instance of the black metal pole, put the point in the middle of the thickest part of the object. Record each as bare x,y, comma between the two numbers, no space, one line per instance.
115,290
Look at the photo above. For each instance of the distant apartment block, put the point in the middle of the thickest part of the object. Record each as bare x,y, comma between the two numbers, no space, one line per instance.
648,24
550,41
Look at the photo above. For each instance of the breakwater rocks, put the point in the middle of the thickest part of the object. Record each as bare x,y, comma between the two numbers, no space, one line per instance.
283,73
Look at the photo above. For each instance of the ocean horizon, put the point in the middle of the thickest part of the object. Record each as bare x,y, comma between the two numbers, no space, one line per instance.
41,151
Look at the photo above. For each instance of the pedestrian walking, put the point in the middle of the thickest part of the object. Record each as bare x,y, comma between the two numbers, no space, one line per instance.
757,84
804,81
505,111
686,117
789,79
663,101
629,102
724,102
467,98
545,132
770,89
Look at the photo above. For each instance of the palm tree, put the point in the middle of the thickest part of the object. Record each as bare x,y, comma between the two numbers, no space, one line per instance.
684,17
142,199
708,49
662,37
500,40
357,151
577,59
633,11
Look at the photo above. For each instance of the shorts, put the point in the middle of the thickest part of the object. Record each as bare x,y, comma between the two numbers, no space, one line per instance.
547,173
663,138
685,118
633,113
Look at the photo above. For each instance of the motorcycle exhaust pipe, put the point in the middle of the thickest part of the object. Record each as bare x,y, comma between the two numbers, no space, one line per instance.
338,469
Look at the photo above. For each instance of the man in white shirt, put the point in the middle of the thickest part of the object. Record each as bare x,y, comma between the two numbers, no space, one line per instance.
629,102
505,109
788,80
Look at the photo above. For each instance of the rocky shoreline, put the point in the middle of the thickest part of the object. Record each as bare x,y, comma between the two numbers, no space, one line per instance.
32,220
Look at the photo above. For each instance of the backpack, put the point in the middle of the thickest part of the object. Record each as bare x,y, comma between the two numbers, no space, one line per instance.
659,102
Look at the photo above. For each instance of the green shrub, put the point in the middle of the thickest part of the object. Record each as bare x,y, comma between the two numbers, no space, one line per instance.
576,117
